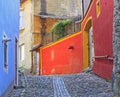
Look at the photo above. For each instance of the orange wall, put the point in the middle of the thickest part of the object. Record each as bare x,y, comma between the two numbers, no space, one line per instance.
49,23
37,30
57,58
37,23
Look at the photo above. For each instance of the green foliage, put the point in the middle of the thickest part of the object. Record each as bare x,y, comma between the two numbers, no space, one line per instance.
59,29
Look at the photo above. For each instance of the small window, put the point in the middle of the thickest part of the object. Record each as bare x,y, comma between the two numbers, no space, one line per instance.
22,52
22,19
5,41
5,51
5,55
98,8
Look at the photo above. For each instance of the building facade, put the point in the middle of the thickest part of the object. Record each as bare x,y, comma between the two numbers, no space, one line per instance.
25,41
46,14
96,48
9,31
97,30
64,8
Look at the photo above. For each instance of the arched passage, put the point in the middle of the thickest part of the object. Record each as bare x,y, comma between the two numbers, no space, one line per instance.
88,45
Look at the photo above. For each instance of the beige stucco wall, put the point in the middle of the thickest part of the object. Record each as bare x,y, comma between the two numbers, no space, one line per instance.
25,36
64,7
37,5
60,7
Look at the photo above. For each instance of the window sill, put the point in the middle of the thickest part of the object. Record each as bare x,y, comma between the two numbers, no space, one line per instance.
21,60
21,29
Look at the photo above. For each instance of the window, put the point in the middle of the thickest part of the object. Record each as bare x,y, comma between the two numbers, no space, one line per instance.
5,41
98,8
22,19
5,55
22,52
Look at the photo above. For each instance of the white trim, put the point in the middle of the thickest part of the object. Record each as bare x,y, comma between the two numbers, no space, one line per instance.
22,20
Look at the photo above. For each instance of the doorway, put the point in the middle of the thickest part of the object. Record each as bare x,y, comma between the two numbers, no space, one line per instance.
36,62
91,48
88,46
16,63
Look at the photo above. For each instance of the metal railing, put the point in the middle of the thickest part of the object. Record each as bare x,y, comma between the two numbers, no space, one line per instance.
104,56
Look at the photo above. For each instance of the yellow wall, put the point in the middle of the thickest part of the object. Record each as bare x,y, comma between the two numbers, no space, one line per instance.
86,51
25,35
49,22
86,56
37,30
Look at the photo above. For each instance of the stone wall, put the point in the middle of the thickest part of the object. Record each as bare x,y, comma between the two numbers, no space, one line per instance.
48,23
58,7
116,45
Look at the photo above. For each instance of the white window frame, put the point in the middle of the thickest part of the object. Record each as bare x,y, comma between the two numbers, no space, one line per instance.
22,19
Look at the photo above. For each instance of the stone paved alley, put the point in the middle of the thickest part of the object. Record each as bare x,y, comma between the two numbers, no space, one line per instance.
74,85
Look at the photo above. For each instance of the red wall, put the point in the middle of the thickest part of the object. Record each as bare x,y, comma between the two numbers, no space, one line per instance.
102,29
57,58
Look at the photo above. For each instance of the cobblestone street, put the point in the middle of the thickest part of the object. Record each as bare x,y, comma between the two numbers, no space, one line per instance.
74,85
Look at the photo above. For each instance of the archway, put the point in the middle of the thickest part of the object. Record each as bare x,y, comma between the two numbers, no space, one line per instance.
88,45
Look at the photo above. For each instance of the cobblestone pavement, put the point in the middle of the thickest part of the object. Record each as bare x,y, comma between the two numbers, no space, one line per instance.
87,85
74,85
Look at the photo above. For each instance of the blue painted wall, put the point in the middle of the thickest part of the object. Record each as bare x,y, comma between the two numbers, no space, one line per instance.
9,23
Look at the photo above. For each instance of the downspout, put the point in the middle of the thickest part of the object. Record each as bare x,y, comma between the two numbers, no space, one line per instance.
83,7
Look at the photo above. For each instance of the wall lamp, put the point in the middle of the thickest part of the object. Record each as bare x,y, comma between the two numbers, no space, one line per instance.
6,39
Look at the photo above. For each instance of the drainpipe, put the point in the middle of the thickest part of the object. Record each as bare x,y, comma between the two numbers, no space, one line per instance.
83,7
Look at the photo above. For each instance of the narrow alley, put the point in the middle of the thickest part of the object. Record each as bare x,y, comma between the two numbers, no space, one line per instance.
74,85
